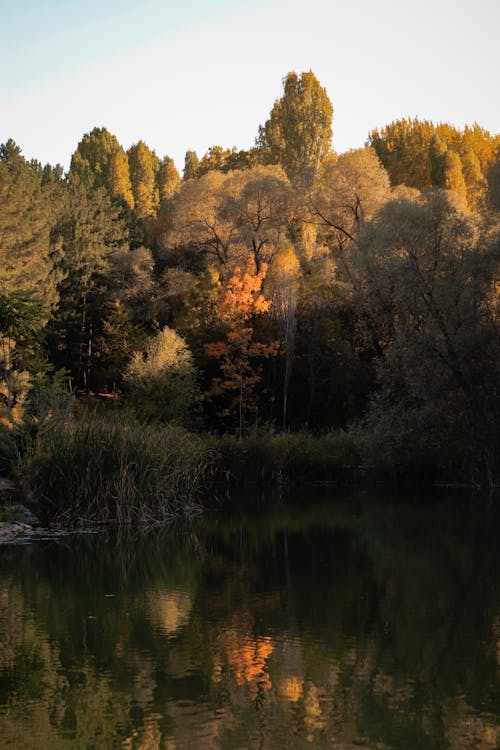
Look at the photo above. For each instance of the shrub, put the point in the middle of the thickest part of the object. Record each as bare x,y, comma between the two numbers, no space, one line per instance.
161,381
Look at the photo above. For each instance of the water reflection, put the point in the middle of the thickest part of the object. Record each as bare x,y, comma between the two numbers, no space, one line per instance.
357,623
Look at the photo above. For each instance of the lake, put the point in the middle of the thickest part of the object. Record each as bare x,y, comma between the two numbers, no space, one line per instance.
326,621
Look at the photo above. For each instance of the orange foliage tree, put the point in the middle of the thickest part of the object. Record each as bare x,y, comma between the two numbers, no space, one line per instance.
239,304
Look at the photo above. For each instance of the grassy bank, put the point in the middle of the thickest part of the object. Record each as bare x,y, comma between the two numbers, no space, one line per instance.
108,466
268,458
111,467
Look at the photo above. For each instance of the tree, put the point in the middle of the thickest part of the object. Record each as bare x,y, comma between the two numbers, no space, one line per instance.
258,202
474,179
453,176
239,303
191,166
244,159
130,281
197,222
29,249
91,161
119,178
282,284
168,179
144,167
428,286
91,229
298,133
403,148
118,339
437,158
215,158
226,218
348,192
494,187
331,372
19,339
161,380
413,152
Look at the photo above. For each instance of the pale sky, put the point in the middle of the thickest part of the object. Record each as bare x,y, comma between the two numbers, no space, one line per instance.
194,73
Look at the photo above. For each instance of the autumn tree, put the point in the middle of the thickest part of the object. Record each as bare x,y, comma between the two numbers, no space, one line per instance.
191,166
197,222
130,281
260,204
493,177
414,151
215,159
331,375
240,302
161,380
243,159
403,149
454,177
144,167
437,160
193,302
282,285
226,218
119,336
91,161
119,178
348,192
298,133
475,180
168,179
428,287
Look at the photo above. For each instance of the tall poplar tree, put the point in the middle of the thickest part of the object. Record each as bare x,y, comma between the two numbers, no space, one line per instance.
92,159
453,175
168,178
298,133
119,178
191,166
144,167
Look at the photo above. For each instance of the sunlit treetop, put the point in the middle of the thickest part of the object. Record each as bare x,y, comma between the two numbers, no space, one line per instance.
298,133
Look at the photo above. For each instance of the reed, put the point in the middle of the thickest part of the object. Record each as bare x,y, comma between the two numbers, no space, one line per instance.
266,457
113,468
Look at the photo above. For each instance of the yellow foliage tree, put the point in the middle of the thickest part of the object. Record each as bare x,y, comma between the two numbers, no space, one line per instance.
168,179
119,178
453,176
144,167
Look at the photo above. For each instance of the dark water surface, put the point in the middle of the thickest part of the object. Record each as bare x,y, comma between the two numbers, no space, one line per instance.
340,623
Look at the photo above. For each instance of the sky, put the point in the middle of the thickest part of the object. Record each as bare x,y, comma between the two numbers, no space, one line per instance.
195,73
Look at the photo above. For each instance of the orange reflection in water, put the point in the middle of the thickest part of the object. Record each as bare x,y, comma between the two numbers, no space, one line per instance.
248,658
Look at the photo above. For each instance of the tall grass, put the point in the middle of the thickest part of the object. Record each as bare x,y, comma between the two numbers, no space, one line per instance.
114,468
266,457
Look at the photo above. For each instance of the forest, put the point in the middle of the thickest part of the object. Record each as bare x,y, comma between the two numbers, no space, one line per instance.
278,312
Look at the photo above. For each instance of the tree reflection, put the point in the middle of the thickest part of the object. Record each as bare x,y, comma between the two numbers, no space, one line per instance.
371,625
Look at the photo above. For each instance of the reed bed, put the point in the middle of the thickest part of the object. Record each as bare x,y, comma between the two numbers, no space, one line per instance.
268,458
113,468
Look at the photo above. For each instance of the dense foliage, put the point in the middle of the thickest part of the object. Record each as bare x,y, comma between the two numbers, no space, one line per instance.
284,287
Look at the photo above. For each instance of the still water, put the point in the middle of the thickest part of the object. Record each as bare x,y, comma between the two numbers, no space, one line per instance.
332,622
